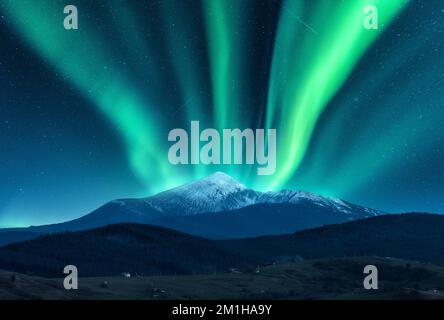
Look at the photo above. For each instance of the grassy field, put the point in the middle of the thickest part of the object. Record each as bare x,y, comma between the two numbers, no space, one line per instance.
315,279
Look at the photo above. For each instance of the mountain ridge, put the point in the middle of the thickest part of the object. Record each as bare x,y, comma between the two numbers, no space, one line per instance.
215,207
154,250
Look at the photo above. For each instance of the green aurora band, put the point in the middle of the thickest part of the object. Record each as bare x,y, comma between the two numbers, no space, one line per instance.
83,59
302,86
314,53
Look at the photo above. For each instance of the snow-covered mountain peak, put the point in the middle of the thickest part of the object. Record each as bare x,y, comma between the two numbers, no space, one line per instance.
217,192
218,183
220,192
223,180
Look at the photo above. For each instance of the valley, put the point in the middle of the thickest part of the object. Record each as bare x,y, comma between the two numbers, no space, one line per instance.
315,279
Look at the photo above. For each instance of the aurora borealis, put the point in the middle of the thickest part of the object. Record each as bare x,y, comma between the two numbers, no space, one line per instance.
85,114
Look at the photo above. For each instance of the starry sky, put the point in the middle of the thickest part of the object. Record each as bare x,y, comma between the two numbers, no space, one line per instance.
85,114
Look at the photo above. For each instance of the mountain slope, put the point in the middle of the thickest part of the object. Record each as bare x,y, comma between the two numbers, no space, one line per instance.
153,250
413,236
111,250
259,219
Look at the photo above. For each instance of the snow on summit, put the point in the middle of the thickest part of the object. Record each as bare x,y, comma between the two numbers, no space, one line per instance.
217,192
220,192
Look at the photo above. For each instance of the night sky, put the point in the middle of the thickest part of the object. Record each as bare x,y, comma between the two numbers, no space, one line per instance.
85,114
